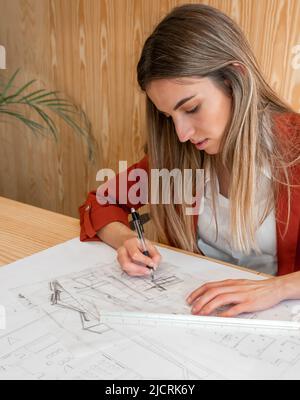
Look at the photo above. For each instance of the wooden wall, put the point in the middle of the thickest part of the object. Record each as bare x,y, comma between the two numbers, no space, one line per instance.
88,49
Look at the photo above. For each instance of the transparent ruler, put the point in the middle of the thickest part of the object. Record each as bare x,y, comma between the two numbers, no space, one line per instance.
193,321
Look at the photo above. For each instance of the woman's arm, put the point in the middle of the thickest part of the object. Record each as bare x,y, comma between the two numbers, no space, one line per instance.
115,234
95,216
291,286
244,295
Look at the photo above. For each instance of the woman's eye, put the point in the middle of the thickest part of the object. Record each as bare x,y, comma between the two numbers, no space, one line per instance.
193,110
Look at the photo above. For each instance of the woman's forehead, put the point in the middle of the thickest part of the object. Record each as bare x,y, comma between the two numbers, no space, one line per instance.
180,81
174,89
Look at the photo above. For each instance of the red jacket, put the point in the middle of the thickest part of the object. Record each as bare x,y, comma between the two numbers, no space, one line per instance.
94,216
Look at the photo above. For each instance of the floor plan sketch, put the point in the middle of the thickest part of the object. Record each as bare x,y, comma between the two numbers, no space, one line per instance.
55,331
112,289
45,357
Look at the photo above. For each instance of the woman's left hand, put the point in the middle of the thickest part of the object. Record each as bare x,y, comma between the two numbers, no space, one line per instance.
240,295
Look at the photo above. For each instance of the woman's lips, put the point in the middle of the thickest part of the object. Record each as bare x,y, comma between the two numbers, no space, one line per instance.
201,145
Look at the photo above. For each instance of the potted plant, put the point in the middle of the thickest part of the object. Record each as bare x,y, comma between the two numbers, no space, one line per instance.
14,101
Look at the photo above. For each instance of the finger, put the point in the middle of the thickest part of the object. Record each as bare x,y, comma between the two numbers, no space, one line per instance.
219,301
132,269
154,253
235,310
129,267
206,297
136,255
213,285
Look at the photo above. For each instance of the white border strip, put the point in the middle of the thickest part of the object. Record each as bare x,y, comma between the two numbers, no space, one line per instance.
2,57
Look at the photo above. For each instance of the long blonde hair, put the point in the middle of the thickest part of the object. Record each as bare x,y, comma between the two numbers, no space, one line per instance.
199,40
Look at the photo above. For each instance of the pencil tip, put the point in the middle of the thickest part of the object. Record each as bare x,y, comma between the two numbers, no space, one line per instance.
152,275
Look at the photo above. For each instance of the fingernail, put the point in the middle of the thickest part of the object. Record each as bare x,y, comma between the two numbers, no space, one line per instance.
152,265
188,300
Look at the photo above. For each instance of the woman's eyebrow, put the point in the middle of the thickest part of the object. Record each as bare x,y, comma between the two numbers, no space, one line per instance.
181,102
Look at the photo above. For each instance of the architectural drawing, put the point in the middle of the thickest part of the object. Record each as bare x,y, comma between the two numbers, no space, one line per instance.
55,330
108,288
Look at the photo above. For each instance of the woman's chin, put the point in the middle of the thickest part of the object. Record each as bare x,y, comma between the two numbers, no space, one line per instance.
211,150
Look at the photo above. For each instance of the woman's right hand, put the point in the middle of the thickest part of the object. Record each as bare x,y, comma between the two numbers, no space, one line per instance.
133,261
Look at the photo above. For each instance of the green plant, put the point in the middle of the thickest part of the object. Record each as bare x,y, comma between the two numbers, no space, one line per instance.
13,100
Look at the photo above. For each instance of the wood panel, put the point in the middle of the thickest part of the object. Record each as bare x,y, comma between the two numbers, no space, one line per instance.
25,230
88,49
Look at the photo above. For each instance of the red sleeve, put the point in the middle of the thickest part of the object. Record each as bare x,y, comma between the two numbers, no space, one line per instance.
94,216
297,266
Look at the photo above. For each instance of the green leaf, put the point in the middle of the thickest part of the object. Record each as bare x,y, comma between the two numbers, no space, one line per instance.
18,92
55,102
9,83
32,94
48,120
85,132
33,125
63,110
31,97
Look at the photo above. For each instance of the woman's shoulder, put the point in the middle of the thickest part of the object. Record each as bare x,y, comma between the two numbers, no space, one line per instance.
287,130
286,127
287,122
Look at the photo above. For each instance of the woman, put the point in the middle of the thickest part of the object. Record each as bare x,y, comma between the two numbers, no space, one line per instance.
209,107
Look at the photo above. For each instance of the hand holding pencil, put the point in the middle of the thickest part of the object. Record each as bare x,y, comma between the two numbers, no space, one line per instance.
138,256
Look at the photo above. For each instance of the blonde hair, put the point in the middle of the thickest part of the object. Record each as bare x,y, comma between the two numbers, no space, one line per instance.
199,40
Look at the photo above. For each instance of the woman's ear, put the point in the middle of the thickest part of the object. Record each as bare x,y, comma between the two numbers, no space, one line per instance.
240,67
228,87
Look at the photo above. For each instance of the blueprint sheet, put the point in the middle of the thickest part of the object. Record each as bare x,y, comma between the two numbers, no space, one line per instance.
53,302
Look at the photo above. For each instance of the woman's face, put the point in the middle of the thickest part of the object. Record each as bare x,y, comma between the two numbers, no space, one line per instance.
199,108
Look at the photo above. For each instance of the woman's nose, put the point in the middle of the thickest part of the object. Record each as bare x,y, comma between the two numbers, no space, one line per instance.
184,132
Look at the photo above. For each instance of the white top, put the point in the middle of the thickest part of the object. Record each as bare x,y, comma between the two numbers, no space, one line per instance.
221,248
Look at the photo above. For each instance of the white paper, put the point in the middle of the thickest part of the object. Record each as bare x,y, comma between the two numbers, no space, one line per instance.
61,337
